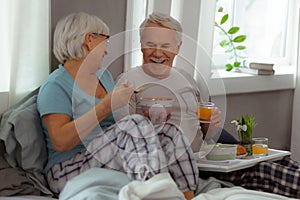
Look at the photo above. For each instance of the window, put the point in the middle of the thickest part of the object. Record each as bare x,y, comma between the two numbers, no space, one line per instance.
264,22
272,34
24,47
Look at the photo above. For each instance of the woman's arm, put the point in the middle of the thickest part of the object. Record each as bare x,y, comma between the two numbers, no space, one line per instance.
66,134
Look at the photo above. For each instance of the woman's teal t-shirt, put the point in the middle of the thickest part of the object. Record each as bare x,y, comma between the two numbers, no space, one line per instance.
61,94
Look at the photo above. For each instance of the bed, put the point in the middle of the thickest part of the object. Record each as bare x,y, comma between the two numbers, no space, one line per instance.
23,154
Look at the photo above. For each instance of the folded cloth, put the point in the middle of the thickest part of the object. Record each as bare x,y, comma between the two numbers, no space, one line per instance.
160,187
238,193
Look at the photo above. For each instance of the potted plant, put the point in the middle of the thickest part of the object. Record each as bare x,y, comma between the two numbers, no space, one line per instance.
244,126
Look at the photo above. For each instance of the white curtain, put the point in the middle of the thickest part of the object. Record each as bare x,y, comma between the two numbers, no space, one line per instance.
26,52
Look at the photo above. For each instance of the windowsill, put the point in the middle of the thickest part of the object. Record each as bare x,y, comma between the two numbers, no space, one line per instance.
236,82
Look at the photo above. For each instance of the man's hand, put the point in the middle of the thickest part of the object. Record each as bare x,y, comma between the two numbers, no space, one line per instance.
211,129
157,115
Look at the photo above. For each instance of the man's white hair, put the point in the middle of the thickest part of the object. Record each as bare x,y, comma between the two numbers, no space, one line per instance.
165,21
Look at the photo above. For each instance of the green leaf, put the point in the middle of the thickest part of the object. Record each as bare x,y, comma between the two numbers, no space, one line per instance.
229,67
224,19
242,57
220,9
233,30
240,38
228,50
237,64
240,47
224,43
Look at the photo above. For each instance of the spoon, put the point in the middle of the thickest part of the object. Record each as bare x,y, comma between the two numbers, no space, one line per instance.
138,90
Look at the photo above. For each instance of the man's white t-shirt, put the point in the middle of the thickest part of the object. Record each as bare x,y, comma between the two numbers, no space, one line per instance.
178,86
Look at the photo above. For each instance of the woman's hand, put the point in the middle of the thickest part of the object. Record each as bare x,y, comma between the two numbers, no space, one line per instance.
120,96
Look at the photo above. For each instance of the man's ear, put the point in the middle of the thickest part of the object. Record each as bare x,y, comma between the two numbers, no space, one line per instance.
178,47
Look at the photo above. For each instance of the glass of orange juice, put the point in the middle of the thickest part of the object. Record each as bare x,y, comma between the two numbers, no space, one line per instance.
259,147
205,110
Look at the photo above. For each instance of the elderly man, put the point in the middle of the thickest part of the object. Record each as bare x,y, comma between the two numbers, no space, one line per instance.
161,41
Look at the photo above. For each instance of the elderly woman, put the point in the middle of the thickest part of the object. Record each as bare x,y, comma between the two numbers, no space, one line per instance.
77,104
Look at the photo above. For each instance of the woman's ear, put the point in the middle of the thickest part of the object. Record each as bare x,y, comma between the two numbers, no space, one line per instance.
88,41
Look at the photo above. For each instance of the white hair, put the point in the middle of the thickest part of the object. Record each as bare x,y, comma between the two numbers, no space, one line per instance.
165,21
69,35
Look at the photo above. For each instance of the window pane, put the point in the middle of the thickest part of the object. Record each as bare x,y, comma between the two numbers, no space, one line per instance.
264,22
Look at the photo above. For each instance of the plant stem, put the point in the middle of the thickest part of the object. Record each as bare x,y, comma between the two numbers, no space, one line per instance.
230,40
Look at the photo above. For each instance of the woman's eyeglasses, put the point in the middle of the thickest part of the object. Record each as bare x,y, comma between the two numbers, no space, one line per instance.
103,35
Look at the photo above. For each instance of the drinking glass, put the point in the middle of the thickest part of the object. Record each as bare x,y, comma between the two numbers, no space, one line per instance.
259,147
205,110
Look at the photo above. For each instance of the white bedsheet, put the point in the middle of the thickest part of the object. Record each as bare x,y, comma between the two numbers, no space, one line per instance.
159,187
162,187
238,193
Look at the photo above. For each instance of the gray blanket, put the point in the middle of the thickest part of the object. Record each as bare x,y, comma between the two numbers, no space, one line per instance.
25,147
14,181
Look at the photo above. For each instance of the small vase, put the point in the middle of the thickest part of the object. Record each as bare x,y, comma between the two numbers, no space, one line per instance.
245,139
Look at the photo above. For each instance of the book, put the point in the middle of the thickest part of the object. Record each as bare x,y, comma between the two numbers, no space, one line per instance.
256,71
263,66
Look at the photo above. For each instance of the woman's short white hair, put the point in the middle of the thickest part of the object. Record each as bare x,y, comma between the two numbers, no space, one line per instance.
69,35
163,20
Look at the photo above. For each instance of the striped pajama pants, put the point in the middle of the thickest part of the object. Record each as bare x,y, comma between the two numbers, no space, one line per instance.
134,146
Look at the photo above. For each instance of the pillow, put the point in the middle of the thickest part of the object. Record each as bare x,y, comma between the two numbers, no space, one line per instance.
24,141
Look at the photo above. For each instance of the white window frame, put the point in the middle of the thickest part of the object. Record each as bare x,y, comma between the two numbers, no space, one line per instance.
284,78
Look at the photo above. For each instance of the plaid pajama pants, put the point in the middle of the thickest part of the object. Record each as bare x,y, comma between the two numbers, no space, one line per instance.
279,177
134,146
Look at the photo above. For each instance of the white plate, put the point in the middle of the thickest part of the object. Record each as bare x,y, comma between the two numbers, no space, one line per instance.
242,156
205,122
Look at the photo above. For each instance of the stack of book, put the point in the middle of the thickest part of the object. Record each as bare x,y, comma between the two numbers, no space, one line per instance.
258,69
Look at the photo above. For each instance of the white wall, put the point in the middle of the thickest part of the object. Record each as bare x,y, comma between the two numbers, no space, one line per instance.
272,111
295,139
112,12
